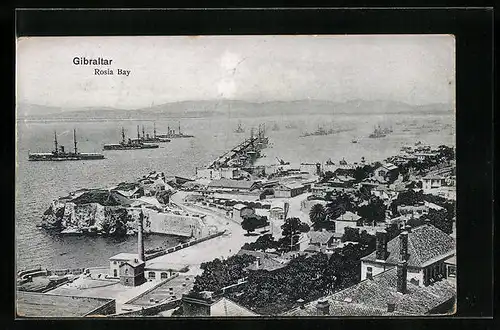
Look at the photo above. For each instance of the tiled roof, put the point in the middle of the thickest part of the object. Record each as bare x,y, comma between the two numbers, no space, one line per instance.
321,237
267,260
349,216
370,298
425,243
226,307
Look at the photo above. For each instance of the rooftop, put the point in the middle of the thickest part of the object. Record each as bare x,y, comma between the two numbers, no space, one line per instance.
171,289
371,298
425,244
232,184
30,304
319,237
227,307
349,216
268,261
124,256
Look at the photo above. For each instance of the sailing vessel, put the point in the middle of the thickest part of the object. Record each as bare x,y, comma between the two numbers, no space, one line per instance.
171,134
59,154
130,144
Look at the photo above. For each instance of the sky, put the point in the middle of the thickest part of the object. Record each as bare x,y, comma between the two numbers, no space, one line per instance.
415,69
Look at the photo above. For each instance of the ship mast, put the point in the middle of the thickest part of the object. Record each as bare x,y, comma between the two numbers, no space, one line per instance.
143,135
154,130
138,135
74,140
123,135
179,128
55,141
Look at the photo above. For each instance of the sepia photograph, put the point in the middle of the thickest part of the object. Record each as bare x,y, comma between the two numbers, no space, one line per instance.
235,176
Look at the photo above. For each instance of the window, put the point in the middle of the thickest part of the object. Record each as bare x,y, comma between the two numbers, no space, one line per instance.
452,271
164,275
151,275
126,271
115,273
369,272
114,262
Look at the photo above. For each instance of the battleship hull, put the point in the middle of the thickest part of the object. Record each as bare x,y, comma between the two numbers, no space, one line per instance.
63,157
129,147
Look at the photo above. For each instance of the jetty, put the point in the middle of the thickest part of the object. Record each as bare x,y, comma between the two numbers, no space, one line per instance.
245,152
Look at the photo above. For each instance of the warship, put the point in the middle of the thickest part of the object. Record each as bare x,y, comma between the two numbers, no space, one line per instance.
321,131
146,138
59,154
378,133
130,144
171,134
239,129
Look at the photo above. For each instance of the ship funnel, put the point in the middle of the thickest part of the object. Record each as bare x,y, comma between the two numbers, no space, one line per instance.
74,140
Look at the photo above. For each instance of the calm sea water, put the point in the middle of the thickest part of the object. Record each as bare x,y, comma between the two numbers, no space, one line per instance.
38,183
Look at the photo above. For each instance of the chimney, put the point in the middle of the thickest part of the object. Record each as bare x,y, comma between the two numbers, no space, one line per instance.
381,245
402,269
323,307
140,240
403,246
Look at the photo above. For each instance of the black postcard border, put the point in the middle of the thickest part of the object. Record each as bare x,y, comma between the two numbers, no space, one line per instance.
473,29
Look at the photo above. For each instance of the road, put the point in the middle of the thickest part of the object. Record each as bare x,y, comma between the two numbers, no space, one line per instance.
220,247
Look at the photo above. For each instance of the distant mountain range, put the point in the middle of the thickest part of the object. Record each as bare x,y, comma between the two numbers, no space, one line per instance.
234,108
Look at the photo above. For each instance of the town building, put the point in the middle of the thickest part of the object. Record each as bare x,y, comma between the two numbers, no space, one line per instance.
289,189
217,173
117,260
277,211
321,240
206,304
264,260
31,304
385,294
311,168
241,211
132,272
432,182
387,172
160,271
426,247
348,219
229,185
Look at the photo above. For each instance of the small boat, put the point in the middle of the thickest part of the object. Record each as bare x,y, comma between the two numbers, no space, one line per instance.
354,141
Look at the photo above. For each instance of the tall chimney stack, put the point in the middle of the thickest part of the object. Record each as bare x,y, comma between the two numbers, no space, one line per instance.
381,245
140,240
323,307
402,272
403,246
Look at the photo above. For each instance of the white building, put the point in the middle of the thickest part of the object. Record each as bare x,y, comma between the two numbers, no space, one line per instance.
425,248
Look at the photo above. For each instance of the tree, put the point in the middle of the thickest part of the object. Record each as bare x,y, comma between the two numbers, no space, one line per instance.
351,235
374,211
291,230
317,214
253,222
439,220
262,243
